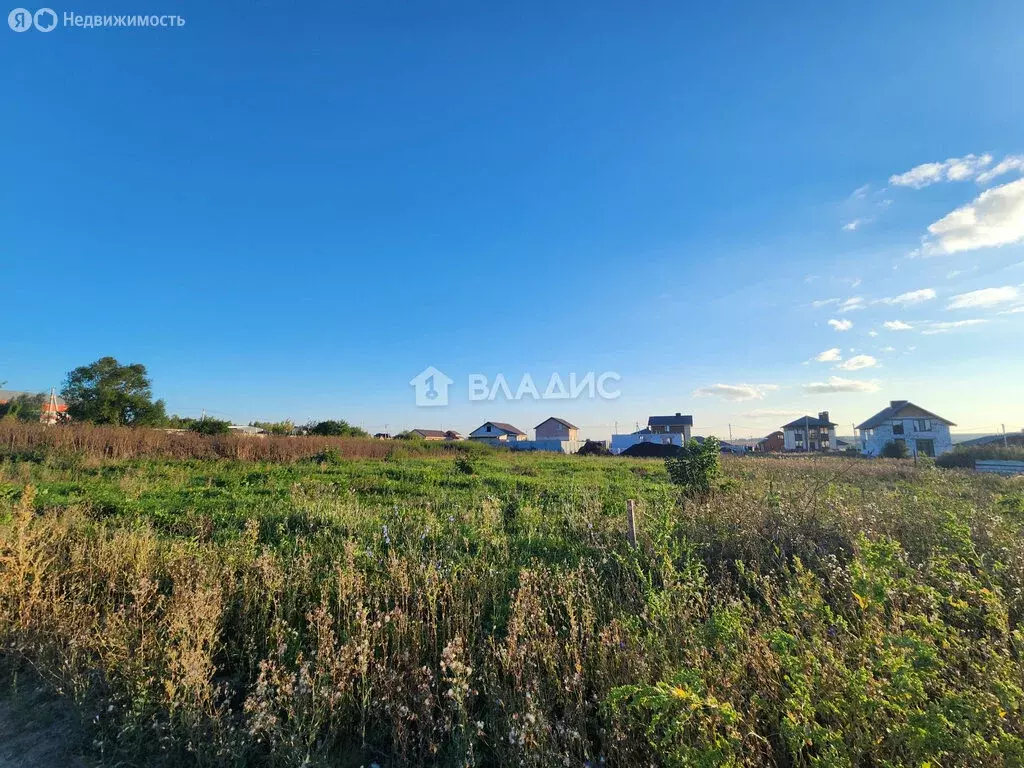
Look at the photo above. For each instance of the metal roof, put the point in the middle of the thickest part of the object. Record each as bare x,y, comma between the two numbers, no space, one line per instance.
893,411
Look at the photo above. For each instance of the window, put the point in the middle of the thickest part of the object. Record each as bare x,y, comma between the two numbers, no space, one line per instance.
925,447
488,427
922,425
897,427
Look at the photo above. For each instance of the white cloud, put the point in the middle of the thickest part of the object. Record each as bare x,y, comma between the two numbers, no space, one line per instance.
888,349
1014,311
1008,164
857,302
934,328
857,362
850,226
910,297
861,192
839,384
897,325
819,303
986,297
994,218
735,392
953,169
840,325
829,355
872,334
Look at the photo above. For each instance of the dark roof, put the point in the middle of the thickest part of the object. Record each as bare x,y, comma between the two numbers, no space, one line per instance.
560,421
505,427
430,432
893,411
670,421
808,421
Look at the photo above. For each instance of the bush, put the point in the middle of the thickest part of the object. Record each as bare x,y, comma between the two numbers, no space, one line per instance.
963,457
894,450
210,426
696,467
339,428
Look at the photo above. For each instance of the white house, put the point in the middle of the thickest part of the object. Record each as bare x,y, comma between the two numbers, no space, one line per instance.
810,434
924,433
554,428
664,430
497,432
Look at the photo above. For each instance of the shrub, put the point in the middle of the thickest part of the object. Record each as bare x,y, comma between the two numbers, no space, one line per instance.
894,450
963,457
339,428
696,467
206,426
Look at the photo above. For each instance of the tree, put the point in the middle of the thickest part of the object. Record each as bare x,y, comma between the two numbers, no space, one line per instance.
339,428
208,426
106,392
274,427
23,408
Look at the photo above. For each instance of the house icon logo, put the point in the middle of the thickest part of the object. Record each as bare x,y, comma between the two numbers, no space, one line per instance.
431,387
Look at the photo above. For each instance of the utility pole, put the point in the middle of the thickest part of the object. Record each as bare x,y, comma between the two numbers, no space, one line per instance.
730,433
1004,435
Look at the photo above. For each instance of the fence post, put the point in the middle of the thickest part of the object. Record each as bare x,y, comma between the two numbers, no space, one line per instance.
631,522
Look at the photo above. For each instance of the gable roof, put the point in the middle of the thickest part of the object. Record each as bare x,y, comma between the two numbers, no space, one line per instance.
563,422
503,427
669,421
430,432
893,412
808,421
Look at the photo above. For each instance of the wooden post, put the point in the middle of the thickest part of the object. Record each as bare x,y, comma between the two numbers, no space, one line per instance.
631,522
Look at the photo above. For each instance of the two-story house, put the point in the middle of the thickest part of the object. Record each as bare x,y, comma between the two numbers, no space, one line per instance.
554,428
664,430
921,431
810,434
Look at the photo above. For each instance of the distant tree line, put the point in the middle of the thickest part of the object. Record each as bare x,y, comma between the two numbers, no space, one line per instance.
109,392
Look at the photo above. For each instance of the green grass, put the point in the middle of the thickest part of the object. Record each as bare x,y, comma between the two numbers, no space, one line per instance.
485,609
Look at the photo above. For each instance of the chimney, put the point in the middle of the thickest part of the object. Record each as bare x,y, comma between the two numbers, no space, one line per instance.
824,416
678,413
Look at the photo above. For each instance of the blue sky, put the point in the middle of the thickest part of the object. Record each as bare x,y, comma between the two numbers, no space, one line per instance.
289,211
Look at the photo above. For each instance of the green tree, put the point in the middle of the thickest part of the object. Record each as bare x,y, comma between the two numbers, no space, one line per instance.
274,427
23,408
106,392
339,428
208,426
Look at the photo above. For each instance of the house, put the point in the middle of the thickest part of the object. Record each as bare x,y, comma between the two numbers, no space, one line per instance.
662,430
922,432
382,435
810,434
451,434
773,443
246,430
52,410
497,433
554,428
429,434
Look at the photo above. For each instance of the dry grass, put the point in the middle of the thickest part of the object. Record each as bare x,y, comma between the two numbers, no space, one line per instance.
100,442
813,613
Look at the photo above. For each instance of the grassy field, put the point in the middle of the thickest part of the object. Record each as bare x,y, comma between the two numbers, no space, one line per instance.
349,605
